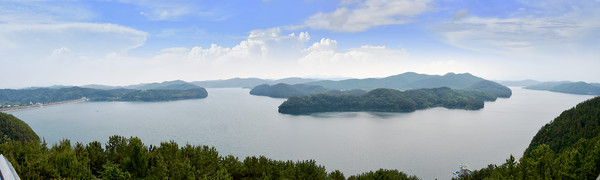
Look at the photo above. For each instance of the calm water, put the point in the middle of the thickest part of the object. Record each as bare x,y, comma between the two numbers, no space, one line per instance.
428,143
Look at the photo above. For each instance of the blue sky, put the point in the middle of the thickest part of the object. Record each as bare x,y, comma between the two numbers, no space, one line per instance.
121,42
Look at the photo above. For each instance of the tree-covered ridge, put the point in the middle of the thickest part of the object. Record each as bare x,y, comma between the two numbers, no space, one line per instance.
14,129
566,148
168,85
164,95
579,122
411,80
490,87
130,158
249,82
283,90
47,95
387,100
582,88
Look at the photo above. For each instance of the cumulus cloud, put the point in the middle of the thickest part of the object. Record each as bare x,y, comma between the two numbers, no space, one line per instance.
367,14
61,52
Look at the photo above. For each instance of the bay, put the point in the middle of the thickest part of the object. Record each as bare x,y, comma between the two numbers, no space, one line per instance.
428,143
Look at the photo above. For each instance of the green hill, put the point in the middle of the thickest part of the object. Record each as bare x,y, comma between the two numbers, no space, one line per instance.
388,100
582,88
411,80
282,90
490,87
566,148
168,85
14,129
249,82
580,122
46,95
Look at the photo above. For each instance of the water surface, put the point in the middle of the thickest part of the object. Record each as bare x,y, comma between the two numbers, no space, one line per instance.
428,143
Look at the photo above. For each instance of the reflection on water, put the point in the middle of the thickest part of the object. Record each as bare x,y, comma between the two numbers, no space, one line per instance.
429,143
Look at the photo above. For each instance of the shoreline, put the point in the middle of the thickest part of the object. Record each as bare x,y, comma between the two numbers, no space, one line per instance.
83,99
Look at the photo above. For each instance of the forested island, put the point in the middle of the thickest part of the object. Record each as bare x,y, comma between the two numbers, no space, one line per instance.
166,91
405,81
582,88
388,100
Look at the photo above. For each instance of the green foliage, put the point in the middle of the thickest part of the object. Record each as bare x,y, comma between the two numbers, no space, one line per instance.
491,87
383,174
164,95
47,95
282,90
129,158
169,85
411,80
387,100
580,122
12,128
566,148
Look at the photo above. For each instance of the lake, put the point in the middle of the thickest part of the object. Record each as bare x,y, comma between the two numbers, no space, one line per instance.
428,143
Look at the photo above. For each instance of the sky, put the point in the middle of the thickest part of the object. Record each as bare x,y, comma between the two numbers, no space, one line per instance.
123,42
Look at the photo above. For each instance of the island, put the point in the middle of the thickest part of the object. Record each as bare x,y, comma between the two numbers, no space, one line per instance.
37,97
405,81
387,100
568,87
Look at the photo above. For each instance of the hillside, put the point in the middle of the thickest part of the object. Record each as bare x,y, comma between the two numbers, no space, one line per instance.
579,122
23,97
490,87
14,129
582,88
283,90
163,95
411,80
566,148
168,85
249,82
387,100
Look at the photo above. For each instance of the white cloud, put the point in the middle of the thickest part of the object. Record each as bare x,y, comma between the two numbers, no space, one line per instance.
82,37
368,14
553,29
43,11
174,10
61,52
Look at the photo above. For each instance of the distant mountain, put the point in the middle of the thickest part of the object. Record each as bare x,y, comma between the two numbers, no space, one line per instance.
169,85
249,82
568,87
490,87
546,86
401,81
411,80
47,95
99,86
283,90
527,82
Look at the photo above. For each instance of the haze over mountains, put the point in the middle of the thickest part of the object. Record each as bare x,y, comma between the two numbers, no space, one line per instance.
404,81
